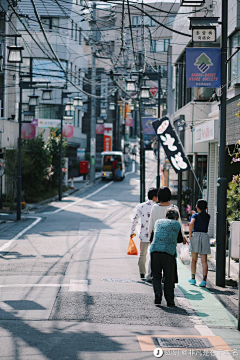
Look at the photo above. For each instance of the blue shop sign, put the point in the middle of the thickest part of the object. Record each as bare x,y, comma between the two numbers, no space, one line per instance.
203,67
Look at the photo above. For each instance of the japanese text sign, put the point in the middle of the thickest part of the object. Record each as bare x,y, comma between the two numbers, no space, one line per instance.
203,67
171,144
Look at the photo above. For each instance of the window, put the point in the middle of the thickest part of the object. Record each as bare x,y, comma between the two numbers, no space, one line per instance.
47,111
50,23
43,67
171,20
160,45
137,20
234,62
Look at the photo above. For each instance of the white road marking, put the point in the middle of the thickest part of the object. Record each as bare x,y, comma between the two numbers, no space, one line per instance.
78,285
4,214
88,196
75,285
9,243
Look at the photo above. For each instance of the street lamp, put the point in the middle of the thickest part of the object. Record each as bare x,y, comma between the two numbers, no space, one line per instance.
46,94
144,92
77,101
15,54
111,106
130,85
33,100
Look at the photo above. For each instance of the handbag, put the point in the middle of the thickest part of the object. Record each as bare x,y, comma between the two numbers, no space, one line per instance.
132,249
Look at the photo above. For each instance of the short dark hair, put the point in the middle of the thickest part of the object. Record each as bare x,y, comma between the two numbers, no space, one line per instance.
172,213
164,194
202,205
152,192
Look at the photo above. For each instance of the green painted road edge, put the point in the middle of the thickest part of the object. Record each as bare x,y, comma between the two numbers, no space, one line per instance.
212,312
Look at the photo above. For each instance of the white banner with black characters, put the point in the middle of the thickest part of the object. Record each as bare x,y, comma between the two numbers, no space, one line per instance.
171,144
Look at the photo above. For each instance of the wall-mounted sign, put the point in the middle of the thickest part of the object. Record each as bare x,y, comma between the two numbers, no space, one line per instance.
205,35
203,67
47,123
206,131
171,144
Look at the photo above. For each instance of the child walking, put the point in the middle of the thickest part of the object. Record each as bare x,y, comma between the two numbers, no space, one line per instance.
200,244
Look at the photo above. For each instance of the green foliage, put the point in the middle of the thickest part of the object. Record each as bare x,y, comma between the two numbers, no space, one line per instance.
53,146
36,160
233,199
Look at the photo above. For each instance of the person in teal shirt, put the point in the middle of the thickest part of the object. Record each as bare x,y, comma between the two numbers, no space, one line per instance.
167,233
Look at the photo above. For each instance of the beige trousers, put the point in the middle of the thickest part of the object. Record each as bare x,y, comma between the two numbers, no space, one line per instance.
142,258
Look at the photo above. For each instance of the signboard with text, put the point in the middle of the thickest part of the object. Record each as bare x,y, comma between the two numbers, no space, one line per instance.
107,137
203,67
206,131
171,144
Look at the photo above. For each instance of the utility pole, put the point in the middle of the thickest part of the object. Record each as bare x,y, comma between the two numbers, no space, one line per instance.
93,99
222,181
159,109
19,178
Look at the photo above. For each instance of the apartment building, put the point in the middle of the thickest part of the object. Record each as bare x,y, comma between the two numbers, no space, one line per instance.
65,30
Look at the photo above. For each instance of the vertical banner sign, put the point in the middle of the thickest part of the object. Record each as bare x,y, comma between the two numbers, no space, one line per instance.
107,137
171,144
104,95
203,67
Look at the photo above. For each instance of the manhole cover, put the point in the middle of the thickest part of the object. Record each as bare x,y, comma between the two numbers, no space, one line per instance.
119,280
187,343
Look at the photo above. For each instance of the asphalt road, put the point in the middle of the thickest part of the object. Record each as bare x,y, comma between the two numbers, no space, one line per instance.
69,291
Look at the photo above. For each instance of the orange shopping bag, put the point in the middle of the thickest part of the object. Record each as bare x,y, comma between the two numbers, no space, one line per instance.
132,249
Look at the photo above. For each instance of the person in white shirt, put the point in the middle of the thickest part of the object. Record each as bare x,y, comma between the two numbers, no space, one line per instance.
143,212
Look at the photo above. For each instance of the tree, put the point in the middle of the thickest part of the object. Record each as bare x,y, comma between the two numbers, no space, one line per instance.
53,146
35,169
233,199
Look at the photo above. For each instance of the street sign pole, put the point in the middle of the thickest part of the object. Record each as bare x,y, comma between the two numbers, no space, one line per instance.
222,181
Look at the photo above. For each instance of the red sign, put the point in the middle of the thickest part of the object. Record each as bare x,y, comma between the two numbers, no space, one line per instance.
129,122
153,91
100,128
68,130
107,139
28,131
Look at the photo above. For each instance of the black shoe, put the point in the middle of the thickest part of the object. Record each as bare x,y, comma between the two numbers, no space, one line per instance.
158,299
142,276
170,304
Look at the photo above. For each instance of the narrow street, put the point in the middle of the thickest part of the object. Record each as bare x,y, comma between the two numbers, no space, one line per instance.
69,290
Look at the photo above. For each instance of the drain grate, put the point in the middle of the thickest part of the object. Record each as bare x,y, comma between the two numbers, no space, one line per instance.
186,343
